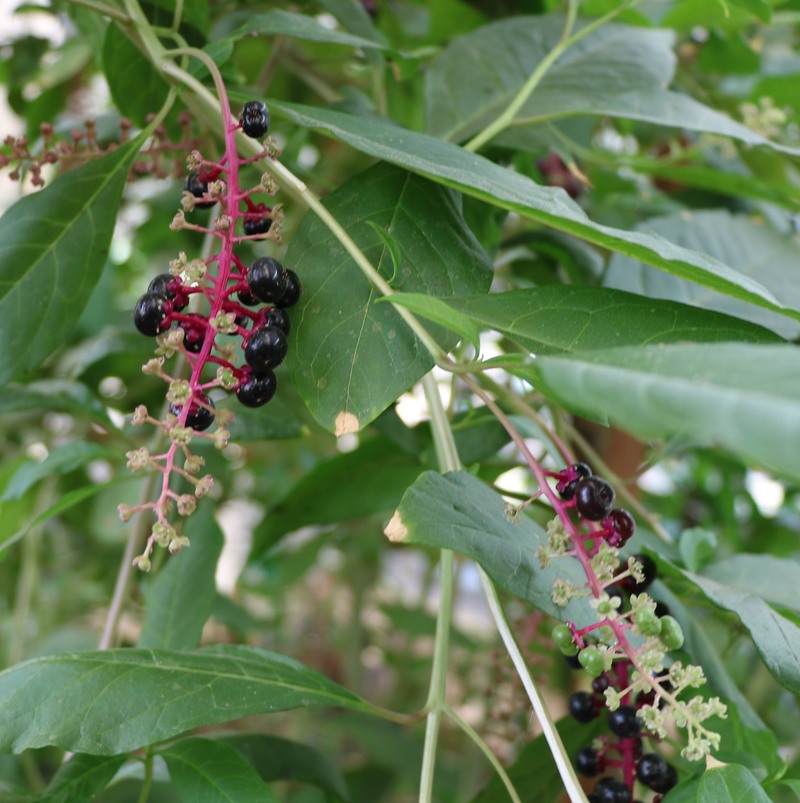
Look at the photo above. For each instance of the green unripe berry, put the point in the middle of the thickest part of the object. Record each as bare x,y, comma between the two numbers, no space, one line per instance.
562,636
647,622
591,659
671,634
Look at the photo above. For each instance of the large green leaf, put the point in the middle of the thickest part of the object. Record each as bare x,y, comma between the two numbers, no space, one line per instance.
617,71
478,177
730,784
740,397
457,511
773,579
277,759
119,700
752,247
182,595
208,771
53,245
82,778
559,318
352,357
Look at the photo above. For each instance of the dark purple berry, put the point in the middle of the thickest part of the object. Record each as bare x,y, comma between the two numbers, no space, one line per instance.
600,684
197,187
265,349
257,226
651,769
293,290
593,498
267,279
277,317
610,790
662,609
669,780
255,119
165,284
149,314
623,722
247,298
199,418
570,476
257,389
194,332
582,706
623,524
588,762
573,662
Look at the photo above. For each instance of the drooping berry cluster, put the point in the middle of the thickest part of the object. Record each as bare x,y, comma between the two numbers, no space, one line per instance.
626,649
238,325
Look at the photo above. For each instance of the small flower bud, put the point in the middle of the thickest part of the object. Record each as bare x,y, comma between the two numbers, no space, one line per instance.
204,485
227,379
179,392
153,366
139,415
181,435
220,438
178,543
194,161
163,533
187,504
125,512
223,223
138,459
178,222
225,322
193,464
142,562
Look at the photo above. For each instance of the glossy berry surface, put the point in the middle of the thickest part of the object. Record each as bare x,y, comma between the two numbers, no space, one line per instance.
588,762
149,314
257,226
594,498
199,418
257,390
623,722
293,290
669,780
622,523
197,187
267,279
194,332
163,285
610,790
572,474
582,707
265,349
255,119
247,298
277,317
651,769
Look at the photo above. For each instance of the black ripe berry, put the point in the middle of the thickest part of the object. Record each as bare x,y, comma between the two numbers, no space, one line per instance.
199,418
267,279
194,332
588,762
247,298
277,317
197,187
265,349
610,790
149,314
257,389
623,722
571,475
293,290
255,119
623,524
163,285
593,498
258,226
669,780
582,707
651,769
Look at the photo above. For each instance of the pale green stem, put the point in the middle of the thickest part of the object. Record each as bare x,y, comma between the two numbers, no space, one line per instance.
447,456
144,794
506,117
486,750
569,779
103,9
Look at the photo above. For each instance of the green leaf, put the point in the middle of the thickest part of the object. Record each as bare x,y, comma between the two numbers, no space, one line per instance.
352,358
135,85
53,245
534,773
754,248
559,318
773,579
275,421
740,397
615,71
758,8
730,784
61,460
210,771
278,759
53,394
298,26
755,749
367,481
476,176
180,600
82,778
697,547
436,310
120,700
456,511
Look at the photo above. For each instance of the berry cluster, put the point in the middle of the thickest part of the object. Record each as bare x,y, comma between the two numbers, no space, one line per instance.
236,308
625,650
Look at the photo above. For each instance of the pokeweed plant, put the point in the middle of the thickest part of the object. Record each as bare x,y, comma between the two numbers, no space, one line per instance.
535,220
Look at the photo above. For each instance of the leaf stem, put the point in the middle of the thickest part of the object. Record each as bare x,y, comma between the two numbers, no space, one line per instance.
506,117
105,10
148,776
